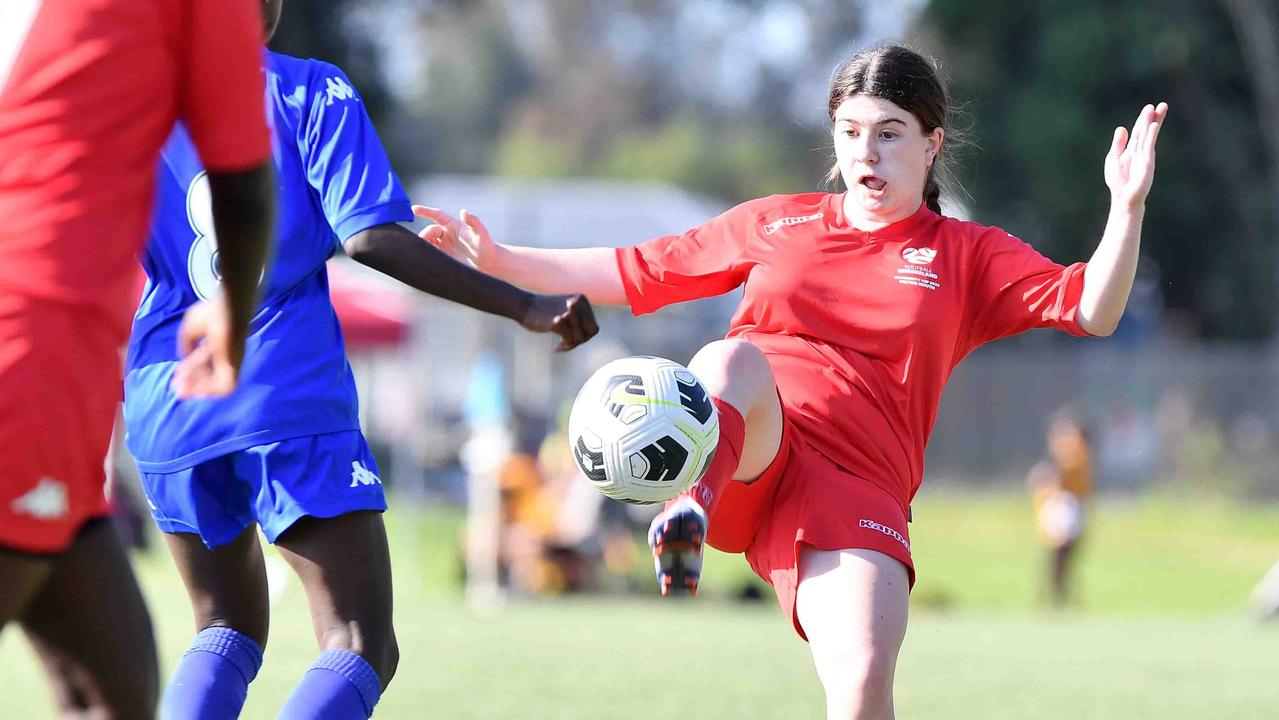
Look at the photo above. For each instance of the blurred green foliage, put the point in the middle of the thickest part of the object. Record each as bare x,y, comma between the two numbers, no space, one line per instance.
727,98
1045,85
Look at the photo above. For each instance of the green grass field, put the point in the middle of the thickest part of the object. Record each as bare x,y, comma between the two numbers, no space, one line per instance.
1161,631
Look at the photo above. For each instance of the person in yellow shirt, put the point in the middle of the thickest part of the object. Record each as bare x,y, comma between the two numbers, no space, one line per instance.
1061,488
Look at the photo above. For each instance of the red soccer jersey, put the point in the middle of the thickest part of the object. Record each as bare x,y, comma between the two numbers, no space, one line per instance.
88,95
862,329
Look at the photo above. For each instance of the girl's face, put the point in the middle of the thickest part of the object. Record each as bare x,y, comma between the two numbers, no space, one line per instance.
884,156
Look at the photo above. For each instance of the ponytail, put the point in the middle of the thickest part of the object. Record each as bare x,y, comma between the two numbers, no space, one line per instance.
932,193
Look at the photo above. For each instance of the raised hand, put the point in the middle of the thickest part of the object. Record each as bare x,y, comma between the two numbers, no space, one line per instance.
1130,164
465,240
569,316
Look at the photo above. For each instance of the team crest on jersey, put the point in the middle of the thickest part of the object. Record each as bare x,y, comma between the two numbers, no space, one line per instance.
919,256
916,271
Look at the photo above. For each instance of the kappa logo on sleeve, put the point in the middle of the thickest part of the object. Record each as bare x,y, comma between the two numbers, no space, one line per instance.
778,224
338,89
882,528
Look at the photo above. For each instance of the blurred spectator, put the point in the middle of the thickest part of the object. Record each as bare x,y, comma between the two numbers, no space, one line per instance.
601,529
526,558
559,534
1061,487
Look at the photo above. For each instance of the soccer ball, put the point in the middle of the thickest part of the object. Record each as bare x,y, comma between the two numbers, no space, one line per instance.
643,429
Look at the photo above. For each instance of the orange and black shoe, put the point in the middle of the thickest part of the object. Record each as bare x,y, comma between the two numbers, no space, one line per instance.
676,537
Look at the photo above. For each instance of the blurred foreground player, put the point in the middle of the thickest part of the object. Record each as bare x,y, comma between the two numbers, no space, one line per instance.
285,452
89,89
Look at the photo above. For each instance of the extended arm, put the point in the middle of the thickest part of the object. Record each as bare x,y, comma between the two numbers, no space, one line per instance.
394,251
590,271
1130,169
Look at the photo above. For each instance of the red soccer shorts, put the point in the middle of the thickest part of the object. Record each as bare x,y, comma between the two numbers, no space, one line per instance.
805,499
59,390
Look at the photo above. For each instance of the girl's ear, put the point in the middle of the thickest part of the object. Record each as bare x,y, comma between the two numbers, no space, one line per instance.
935,140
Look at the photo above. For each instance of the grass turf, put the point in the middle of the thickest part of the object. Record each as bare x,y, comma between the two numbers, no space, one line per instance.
1159,632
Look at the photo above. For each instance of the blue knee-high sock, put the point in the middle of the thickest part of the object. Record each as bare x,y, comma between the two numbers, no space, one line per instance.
212,679
339,686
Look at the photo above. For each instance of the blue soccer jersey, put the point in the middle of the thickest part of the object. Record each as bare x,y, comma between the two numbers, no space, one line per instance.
333,180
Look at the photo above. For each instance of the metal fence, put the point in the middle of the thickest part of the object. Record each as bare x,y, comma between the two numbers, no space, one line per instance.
1185,417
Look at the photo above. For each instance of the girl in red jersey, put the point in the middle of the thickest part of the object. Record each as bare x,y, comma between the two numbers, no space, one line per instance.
857,307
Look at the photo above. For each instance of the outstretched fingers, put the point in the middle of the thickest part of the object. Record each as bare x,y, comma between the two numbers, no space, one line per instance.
435,215
448,224
473,221
1140,128
1119,142
1157,123
436,235
1151,137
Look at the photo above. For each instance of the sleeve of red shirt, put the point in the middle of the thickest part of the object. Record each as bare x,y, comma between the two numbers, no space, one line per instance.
222,85
703,262
1016,289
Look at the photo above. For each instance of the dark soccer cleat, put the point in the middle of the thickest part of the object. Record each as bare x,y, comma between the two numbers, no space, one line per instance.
676,537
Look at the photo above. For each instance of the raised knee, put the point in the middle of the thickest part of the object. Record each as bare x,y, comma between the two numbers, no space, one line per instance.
733,358
731,351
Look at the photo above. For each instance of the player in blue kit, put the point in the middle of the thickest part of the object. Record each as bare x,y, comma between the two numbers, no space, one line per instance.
285,451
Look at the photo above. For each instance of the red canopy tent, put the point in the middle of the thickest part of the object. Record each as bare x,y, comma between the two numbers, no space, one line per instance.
375,312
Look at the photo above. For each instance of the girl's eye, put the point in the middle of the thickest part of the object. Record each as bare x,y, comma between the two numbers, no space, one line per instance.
888,135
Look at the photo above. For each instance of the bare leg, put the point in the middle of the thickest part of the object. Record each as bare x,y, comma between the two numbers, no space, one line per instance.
345,565
21,577
853,605
737,373
738,377
1061,566
226,584
90,627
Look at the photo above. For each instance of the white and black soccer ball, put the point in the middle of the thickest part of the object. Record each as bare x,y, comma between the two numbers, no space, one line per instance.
643,429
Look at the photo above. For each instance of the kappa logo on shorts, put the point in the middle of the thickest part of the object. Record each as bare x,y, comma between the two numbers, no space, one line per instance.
880,527
361,475
46,501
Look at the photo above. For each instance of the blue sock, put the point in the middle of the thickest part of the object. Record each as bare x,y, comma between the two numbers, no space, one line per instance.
339,686
212,679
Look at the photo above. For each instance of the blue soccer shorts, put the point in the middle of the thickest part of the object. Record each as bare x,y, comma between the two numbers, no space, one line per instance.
273,485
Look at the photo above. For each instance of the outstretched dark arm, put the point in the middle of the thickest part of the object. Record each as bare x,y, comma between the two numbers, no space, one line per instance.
397,252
